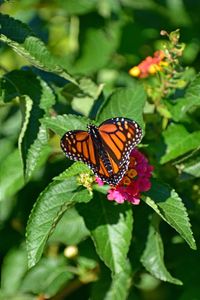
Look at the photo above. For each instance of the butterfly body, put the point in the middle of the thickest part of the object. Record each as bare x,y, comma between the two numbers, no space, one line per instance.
105,149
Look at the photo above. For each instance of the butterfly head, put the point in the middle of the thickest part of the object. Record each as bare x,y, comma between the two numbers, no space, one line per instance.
93,130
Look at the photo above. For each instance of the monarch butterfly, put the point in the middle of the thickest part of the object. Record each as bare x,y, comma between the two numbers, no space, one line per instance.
105,149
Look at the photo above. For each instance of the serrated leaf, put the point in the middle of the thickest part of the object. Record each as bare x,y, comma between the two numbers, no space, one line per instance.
153,255
169,206
23,41
61,124
76,169
71,219
48,209
111,230
38,150
36,99
178,141
11,175
125,102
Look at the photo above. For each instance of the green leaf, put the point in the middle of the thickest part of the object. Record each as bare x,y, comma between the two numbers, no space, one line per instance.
47,277
110,289
17,296
6,208
38,151
61,124
192,167
191,101
13,269
100,287
71,219
36,99
153,255
169,206
82,97
111,230
23,41
10,124
120,286
97,46
78,7
179,141
74,170
48,209
181,106
11,175
125,102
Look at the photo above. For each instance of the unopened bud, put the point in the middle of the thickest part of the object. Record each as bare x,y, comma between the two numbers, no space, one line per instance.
71,251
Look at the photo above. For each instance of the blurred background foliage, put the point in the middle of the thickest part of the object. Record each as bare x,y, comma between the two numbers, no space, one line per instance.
100,39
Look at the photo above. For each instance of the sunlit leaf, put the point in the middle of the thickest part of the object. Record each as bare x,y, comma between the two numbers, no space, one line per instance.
76,169
167,203
22,40
125,102
61,124
49,207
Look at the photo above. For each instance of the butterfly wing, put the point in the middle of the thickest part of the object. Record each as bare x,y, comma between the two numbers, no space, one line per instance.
107,155
119,136
78,145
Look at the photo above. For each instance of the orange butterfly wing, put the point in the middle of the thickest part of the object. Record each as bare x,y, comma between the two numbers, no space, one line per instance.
119,137
105,149
78,145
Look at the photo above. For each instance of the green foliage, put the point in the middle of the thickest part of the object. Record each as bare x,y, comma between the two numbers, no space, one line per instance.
170,207
59,124
179,141
11,179
36,98
44,216
120,286
22,39
127,102
60,236
47,277
111,231
152,258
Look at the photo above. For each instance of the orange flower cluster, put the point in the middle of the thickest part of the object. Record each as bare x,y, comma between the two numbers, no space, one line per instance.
149,66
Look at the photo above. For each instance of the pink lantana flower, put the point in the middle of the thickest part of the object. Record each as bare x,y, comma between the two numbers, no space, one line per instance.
135,180
99,181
